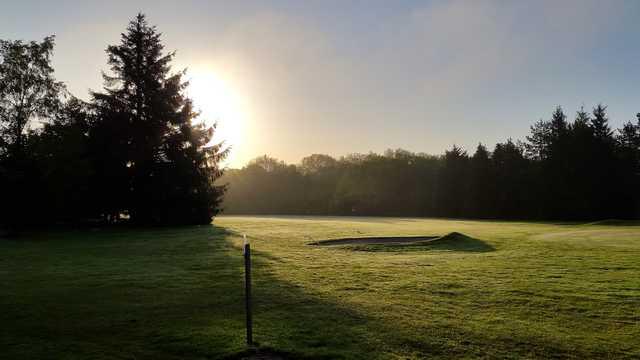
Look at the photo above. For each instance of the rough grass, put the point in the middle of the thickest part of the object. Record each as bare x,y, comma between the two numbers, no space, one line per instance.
501,290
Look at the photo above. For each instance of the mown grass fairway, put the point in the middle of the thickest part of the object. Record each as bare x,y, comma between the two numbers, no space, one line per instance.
505,290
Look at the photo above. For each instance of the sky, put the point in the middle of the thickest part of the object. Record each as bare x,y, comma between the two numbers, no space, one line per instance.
337,77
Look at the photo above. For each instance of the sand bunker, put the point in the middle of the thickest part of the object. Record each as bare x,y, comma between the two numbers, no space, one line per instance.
454,241
376,240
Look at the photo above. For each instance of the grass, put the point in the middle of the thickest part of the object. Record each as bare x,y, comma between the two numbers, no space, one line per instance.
495,290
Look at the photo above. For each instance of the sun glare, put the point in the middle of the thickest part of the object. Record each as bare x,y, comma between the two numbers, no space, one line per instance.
218,102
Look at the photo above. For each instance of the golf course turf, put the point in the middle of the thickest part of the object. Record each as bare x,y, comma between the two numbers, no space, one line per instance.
483,289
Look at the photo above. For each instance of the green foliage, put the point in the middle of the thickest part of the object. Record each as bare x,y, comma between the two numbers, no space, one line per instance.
28,92
135,149
481,184
60,151
565,170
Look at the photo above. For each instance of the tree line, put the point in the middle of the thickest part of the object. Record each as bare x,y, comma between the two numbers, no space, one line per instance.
565,170
135,151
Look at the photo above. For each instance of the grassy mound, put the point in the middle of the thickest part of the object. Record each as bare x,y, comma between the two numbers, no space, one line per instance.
456,241
375,240
453,241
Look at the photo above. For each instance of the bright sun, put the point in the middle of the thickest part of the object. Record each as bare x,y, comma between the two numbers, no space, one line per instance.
219,102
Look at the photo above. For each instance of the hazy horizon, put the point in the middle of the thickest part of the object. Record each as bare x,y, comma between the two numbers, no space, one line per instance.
352,77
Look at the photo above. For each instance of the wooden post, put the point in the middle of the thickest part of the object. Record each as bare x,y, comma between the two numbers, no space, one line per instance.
247,290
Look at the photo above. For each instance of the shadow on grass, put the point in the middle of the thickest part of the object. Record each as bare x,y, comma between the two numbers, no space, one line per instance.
615,222
172,293
290,323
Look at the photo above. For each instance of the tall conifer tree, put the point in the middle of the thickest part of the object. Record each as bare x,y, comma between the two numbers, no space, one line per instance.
157,162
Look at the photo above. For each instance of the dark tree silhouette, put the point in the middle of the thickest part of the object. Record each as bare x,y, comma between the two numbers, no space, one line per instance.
482,184
453,185
154,164
628,140
28,91
60,151
566,170
511,180
135,150
603,165
580,173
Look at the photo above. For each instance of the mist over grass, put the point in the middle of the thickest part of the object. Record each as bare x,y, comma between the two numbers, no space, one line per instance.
537,290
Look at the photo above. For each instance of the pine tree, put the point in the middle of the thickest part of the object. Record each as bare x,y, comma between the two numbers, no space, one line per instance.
604,166
482,180
511,179
547,137
548,144
628,140
579,173
161,164
600,124
582,119
558,122
629,136
453,185
538,143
